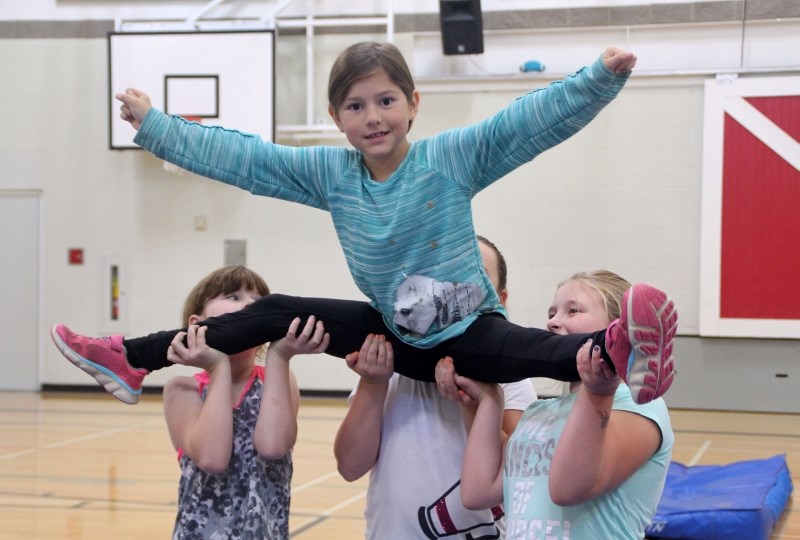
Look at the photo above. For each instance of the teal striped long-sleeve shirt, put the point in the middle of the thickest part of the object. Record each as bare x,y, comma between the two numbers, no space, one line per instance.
418,222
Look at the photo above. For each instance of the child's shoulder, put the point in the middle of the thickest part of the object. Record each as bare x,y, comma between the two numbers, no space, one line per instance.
183,383
624,401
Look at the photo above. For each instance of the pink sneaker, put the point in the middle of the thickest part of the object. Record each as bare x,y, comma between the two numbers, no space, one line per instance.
104,359
640,342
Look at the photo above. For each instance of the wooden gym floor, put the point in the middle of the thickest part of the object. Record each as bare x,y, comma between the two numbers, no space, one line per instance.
84,466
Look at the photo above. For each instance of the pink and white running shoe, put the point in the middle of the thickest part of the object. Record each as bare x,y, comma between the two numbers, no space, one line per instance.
104,359
640,342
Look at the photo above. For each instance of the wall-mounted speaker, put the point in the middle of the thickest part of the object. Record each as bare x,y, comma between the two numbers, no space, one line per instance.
462,26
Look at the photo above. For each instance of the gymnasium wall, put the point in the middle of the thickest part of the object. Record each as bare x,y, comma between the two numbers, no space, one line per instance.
623,194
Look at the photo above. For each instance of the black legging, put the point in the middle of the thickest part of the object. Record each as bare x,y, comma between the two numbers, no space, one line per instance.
492,349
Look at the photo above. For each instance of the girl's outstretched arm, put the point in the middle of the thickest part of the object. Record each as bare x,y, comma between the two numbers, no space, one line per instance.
599,447
530,124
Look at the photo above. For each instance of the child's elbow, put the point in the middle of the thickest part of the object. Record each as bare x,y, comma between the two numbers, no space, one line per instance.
272,455
562,499
471,503
351,462
473,500
565,497
350,474
272,450
480,494
213,464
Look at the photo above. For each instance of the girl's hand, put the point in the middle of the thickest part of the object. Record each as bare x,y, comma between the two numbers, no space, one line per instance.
312,340
446,381
196,352
461,389
135,106
374,363
619,60
596,375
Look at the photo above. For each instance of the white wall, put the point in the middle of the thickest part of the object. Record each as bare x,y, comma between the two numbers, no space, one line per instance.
94,9
662,49
571,209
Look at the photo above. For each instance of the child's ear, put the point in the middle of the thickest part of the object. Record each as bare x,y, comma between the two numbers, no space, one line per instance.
335,116
194,319
503,295
413,106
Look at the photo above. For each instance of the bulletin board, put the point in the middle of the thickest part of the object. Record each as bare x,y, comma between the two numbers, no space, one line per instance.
215,78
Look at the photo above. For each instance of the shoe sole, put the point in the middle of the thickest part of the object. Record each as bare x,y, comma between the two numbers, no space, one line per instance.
105,377
652,325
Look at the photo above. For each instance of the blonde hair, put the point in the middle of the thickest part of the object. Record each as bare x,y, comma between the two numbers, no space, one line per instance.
610,286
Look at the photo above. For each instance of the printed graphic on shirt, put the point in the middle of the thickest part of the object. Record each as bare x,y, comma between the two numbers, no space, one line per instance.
537,529
517,526
423,303
436,520
530,450
528,457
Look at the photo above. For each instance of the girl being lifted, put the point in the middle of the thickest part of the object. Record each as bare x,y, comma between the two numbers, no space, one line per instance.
402,212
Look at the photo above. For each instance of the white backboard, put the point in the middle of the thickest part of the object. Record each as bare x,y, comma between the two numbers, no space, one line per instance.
217,78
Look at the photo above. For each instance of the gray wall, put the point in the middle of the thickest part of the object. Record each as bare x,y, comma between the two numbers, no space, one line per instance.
736,374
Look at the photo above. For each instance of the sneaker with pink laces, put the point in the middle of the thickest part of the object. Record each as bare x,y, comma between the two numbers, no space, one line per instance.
640,342
104,359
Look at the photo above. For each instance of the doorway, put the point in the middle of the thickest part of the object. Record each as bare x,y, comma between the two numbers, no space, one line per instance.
19,290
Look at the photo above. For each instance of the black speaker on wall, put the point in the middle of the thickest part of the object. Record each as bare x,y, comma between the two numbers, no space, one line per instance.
462,26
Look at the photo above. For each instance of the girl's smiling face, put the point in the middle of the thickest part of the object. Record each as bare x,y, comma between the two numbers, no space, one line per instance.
576,309
375,116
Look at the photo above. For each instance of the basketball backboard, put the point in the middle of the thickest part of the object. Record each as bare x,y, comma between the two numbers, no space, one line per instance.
218,78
